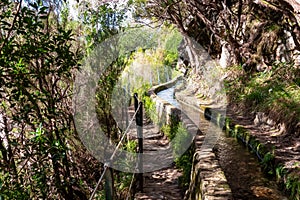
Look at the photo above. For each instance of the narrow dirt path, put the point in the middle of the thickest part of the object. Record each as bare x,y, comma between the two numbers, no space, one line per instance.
163,183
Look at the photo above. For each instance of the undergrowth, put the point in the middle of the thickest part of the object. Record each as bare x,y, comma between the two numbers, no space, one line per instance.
150,109
179,136
275,92
123,179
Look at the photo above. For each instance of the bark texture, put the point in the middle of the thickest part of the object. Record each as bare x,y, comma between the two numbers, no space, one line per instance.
254,33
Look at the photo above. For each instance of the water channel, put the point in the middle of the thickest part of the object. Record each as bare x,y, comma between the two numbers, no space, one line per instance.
241,168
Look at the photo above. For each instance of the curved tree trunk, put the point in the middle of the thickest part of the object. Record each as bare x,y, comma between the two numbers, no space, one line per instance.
255,33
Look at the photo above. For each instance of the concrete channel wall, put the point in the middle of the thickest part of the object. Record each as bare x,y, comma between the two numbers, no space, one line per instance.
207,178
164,109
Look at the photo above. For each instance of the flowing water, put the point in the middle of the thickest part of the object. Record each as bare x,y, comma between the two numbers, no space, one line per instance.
168,95
241,168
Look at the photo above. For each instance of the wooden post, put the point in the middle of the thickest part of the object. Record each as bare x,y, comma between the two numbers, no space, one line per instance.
140,141
139,124
125,109
109,184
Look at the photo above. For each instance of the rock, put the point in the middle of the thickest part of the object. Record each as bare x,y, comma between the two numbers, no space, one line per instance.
225,56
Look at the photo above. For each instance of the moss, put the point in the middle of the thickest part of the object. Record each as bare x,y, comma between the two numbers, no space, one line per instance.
220,120
178,134
228,126
238,131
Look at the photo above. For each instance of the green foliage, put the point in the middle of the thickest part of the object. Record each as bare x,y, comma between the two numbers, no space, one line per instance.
275,92
185,161
171,130
131,146
41,156
147,67
171,45
166,130
178,136
142,91
280,173
100,21
173,40
267,163
265,89
123,180
151,66
108,81
293,185
150,109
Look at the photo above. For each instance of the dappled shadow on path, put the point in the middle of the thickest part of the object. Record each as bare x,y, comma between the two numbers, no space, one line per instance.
162,183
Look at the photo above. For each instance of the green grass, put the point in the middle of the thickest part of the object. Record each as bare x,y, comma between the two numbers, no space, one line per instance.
275,92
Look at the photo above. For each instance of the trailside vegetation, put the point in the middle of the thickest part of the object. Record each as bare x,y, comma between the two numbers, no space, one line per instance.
41,49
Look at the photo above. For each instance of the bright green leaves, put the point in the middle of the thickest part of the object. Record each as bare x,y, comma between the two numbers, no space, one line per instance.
39,134
20,68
